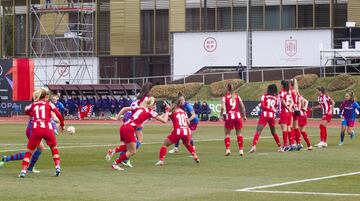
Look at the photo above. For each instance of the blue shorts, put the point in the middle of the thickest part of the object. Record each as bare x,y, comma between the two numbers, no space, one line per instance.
348,122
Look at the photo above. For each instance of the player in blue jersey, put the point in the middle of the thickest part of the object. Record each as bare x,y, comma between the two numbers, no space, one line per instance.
20,155
192,118
348,115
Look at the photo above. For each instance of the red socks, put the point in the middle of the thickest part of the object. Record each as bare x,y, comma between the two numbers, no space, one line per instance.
227,142
191,149
26,160
297,136
56,156
120,148
277,140
285,138
121,158
291,136
323,133
256,139
240,141
306,138
162,153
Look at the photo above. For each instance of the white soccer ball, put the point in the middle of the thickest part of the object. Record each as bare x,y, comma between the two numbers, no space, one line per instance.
71,130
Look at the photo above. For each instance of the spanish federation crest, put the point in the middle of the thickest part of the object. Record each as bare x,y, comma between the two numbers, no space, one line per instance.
291,47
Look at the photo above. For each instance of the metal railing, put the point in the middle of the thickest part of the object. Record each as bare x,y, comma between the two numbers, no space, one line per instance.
255,75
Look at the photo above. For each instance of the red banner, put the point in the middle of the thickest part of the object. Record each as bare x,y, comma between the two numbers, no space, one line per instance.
23,79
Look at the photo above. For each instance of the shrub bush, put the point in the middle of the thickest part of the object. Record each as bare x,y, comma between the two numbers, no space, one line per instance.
340,82
306,81
171,90
218,89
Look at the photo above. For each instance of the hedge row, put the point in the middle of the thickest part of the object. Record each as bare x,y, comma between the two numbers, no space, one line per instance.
218,89
171,90
306,81
340,82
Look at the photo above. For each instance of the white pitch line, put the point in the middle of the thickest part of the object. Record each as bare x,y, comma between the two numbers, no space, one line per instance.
298,181
302,193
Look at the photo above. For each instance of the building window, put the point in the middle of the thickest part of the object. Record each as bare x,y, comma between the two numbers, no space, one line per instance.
339,13
288,17
257,17
322,13
272,17
208,15
305,16
192,19
147,31
162,31
224,19
239,18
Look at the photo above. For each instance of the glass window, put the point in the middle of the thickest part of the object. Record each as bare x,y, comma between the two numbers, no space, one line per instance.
208,15
288,18
239,18
147,31
305,16
162,31
322,13
257,17
192,19
224,19
339,14
272,17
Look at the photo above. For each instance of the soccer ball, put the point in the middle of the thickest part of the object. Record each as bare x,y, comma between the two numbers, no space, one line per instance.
70,130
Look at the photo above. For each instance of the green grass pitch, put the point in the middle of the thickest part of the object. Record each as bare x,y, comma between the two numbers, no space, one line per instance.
87,176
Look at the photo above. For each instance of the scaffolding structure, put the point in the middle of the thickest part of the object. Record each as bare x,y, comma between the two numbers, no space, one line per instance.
62,40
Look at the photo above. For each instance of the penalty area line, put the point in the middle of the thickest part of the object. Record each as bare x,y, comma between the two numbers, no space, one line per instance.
256,188
301,193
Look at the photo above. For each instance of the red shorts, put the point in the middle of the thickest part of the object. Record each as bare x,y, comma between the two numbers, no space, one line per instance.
266,120
181,133
285,118
295,117
327,117
231,123
302,120
28,132
40,133
127,134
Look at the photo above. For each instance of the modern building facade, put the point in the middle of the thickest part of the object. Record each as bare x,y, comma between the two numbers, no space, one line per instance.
133,38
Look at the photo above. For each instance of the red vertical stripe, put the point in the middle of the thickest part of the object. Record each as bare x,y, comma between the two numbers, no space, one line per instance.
23,79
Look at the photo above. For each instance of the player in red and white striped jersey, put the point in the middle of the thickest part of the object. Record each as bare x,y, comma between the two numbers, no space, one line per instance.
326,103
127,131
231,103
304,112
181,131
269,105
286,107
295,133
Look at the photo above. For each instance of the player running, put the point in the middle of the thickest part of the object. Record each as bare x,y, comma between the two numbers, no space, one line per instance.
127,131
304,112
181,130
42,128
269,105
286,107
348,115
192,118
20,155
231,103
142,96
326,103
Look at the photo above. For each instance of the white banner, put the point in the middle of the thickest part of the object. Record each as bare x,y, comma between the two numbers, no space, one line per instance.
192,51
59,71
289,48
